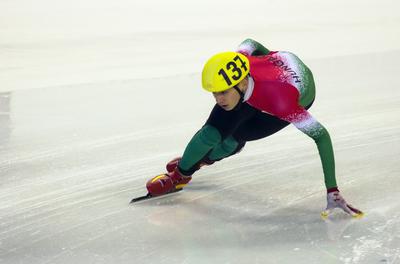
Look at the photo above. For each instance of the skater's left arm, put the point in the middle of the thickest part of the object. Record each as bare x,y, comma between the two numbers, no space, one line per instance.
307,124
283,102
303,120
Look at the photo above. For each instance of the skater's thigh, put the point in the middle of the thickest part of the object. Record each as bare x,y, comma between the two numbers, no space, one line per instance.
261,125
227,122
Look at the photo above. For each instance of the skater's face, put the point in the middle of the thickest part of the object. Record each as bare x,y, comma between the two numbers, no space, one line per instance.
228,99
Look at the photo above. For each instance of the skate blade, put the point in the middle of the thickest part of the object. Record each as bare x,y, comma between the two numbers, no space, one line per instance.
151,197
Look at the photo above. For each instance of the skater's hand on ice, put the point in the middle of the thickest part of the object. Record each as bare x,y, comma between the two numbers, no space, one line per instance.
336,200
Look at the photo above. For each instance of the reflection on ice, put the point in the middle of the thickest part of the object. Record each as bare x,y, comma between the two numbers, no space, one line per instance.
5,118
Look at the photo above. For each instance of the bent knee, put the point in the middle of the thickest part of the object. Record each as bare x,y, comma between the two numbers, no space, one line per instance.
210,136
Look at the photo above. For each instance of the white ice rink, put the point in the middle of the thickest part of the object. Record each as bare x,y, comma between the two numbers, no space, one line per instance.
96,97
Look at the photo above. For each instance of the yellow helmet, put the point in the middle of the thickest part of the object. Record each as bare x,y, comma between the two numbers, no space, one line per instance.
224,70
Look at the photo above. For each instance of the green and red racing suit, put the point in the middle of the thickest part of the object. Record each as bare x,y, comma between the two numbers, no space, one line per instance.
281,89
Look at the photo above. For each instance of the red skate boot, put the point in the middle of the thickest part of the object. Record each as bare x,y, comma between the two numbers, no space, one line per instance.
166,183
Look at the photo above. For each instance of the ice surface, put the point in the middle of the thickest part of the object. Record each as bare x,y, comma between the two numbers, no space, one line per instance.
97,96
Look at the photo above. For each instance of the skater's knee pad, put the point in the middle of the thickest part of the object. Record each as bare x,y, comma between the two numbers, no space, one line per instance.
227,148
239,147
230,144
209,135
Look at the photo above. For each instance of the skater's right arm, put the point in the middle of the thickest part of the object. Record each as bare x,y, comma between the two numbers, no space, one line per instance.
250,47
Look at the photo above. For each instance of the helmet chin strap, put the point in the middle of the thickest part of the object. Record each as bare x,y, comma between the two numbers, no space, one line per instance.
239,104
240,93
